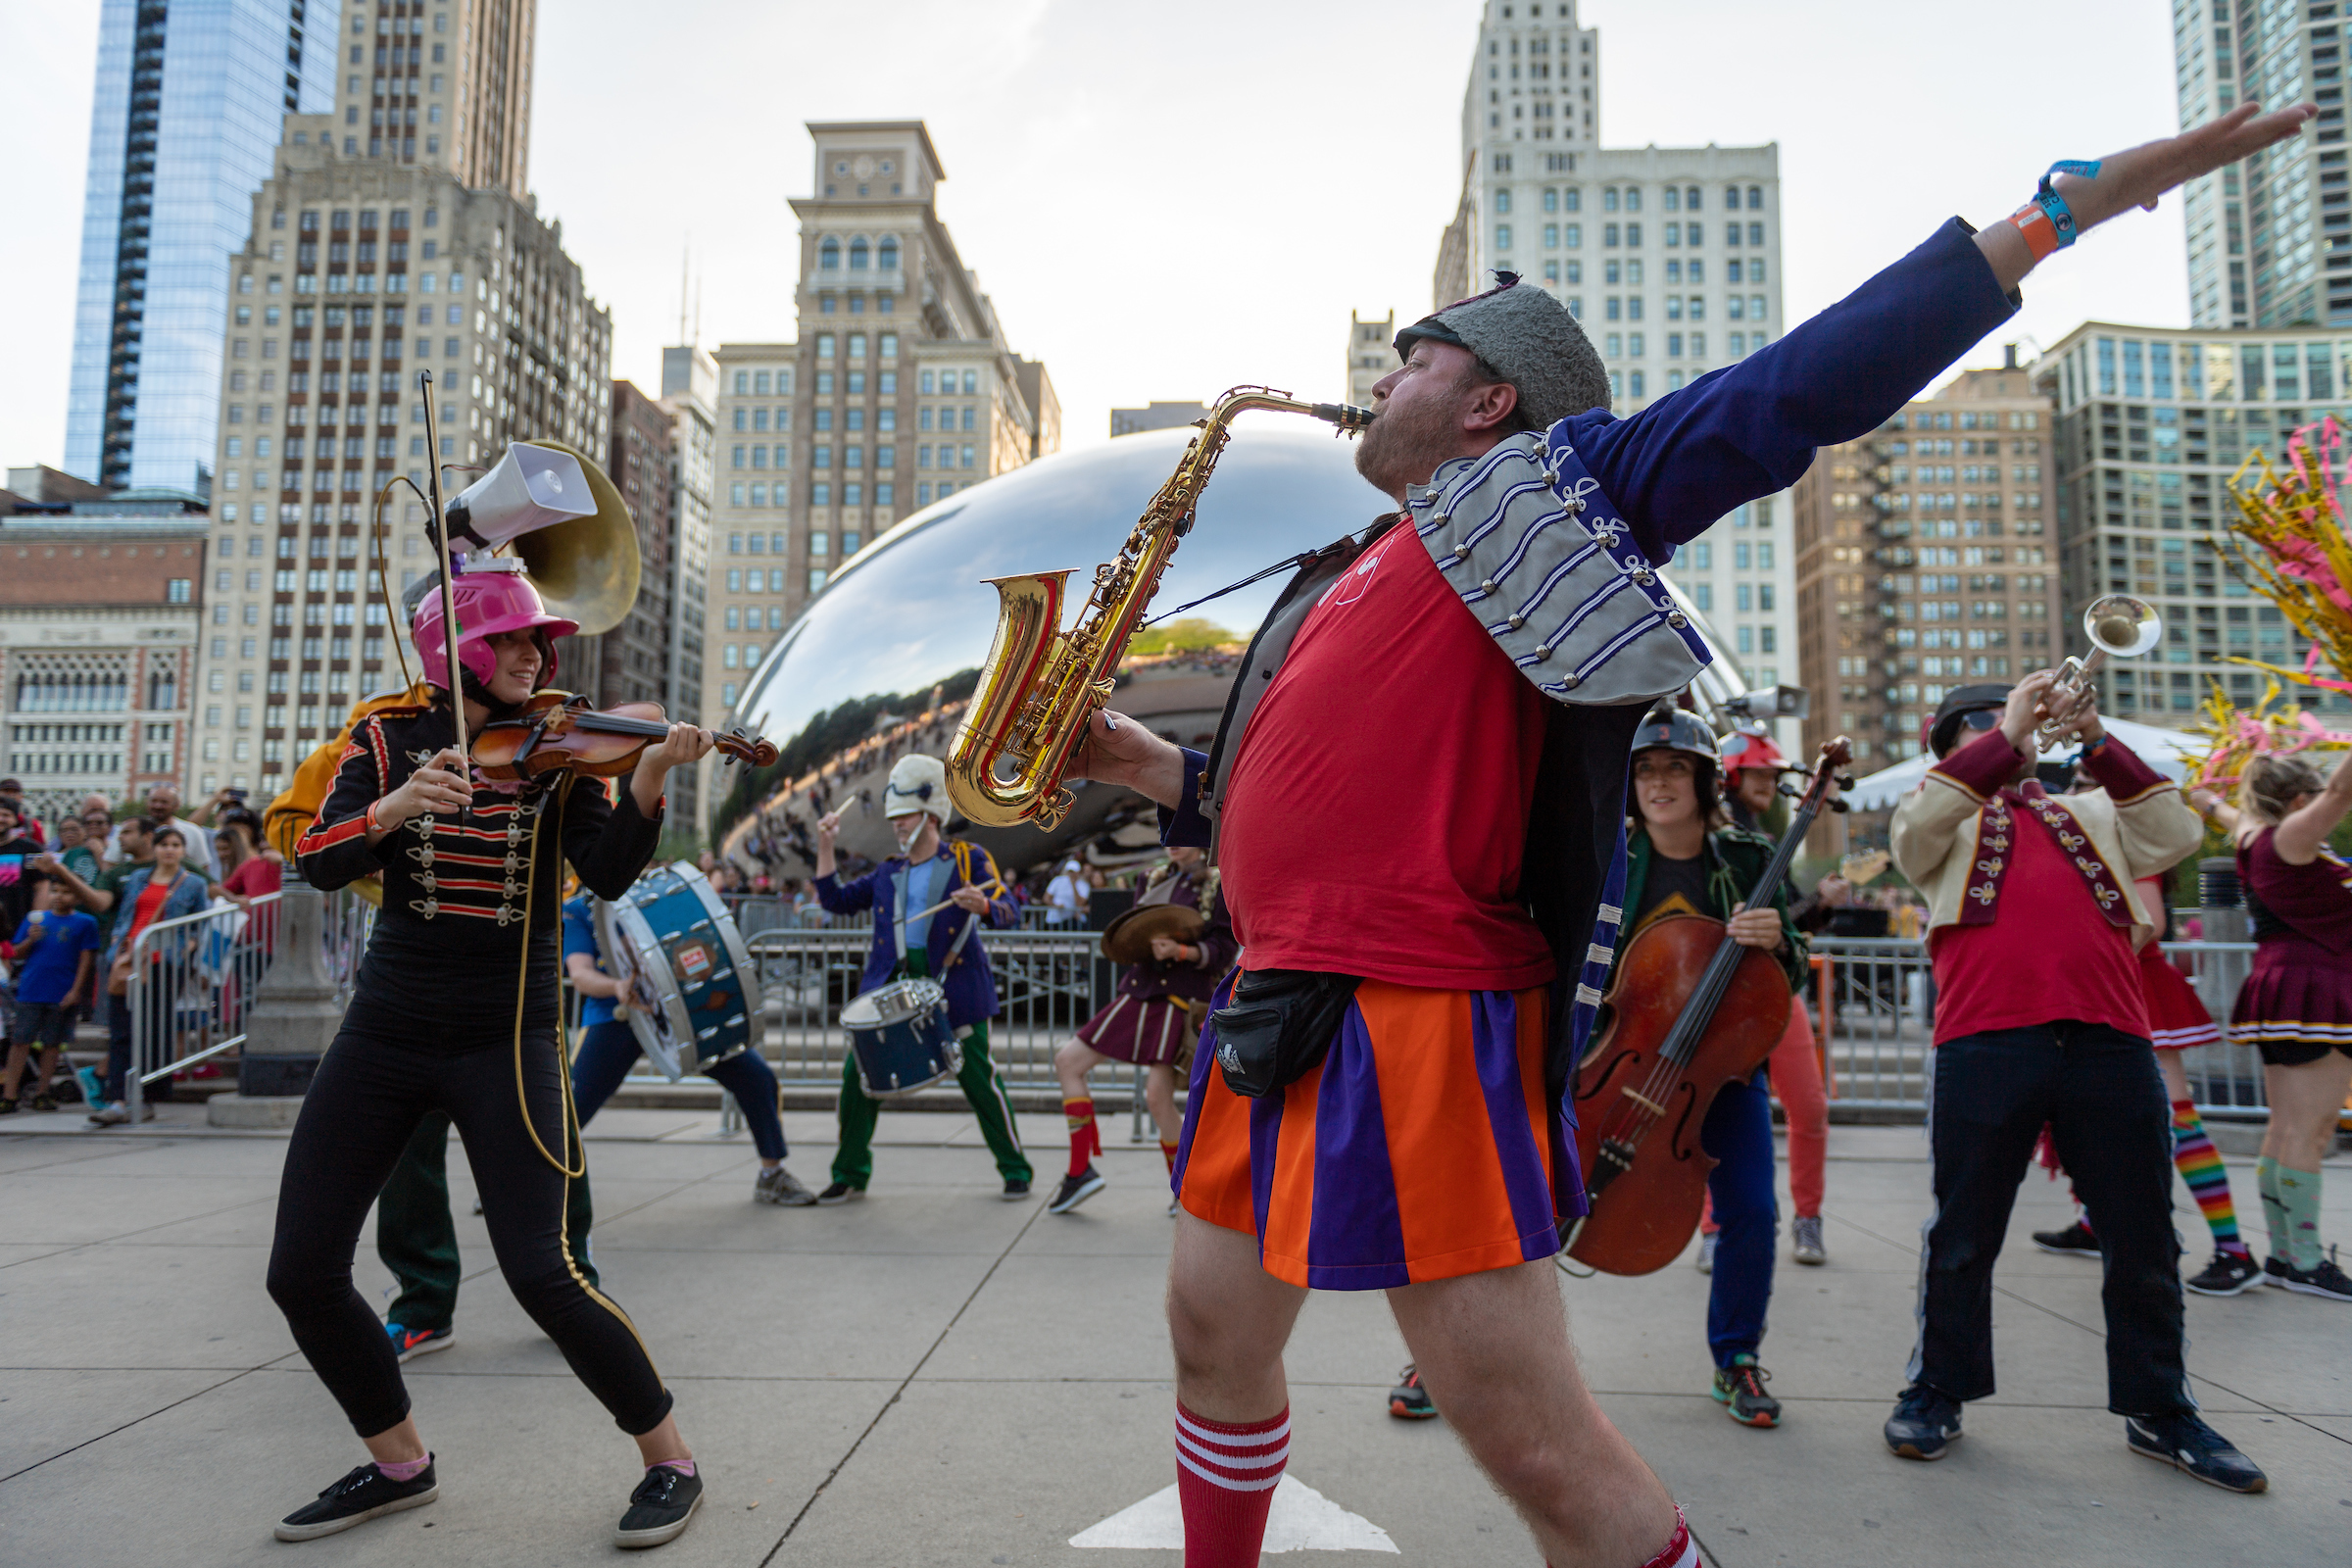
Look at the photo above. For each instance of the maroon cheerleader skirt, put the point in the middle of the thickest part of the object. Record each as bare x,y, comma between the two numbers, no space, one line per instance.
1150,1034
2296,1005
2176,1018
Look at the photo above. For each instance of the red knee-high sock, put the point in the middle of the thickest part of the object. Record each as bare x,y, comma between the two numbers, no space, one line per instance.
1225,1480
1086,1139
1679,1552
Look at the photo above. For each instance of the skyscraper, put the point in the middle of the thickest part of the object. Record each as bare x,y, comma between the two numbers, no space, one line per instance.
183,126
392,234
2269,237
1670,256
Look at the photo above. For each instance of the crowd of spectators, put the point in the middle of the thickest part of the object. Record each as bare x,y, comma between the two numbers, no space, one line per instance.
77,893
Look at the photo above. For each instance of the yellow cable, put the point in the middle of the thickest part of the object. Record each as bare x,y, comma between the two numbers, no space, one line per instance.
523,975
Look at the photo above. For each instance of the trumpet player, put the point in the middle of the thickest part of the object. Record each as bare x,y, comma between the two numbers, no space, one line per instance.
1486,654
2041,1019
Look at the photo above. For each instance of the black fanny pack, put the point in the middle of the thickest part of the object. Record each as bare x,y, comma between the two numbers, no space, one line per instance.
1277,1025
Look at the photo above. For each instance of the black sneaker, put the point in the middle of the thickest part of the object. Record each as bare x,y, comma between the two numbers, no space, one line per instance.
2190,1446
1740,1389
1925,1425
660,1509
2228,1274
2324,1280
2273,1272
408,1342
1410,1399
2076,1241
1076,1190
363,1495
839,1193
1016,1188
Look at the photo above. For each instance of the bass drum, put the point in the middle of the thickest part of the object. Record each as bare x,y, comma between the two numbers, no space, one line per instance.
694,998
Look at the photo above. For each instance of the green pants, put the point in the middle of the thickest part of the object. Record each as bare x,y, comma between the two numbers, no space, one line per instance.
418,1238
854,1166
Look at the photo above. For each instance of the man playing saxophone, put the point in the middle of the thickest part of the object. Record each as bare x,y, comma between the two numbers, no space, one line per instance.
1481,657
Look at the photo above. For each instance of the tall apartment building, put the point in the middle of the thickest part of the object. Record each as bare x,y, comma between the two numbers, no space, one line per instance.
1670,256
2151,425
101,601
391,236
900,390
1907,587
630,663
1371,355
183,126
689,394
1155,415
2269,237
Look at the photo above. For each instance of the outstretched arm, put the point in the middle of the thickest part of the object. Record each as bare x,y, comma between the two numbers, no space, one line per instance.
2139,175
1752,427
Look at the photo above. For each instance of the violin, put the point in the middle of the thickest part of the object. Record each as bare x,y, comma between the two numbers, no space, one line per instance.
558,731
1690,1010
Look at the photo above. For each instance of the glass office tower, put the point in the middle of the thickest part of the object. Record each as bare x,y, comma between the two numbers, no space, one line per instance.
190,94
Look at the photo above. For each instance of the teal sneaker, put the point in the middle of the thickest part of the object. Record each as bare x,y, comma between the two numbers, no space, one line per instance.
1740,1389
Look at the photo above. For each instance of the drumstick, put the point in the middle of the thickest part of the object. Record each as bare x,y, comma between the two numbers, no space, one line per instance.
998,883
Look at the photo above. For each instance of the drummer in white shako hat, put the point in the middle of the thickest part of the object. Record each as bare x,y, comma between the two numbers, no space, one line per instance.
942,945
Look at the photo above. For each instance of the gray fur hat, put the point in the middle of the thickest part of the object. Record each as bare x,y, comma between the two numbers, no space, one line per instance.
1527,337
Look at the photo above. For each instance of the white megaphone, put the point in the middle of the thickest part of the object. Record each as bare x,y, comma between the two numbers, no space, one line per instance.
532,487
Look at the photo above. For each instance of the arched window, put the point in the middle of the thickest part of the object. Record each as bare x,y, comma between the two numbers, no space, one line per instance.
828,256
888,260
859,256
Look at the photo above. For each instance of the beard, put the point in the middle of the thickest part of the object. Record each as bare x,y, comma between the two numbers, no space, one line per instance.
1404,445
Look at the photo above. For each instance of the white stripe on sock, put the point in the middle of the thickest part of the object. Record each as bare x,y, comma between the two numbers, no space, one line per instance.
1235,1440
1231,1460
1213,1480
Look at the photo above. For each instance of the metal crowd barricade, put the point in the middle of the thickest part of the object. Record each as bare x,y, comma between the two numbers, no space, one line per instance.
1878,1002
193,979
1048,982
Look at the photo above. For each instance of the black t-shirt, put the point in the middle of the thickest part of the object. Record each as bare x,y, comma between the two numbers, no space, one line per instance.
15,880
1680,883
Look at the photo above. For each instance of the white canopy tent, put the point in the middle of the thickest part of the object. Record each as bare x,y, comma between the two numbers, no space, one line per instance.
2168,751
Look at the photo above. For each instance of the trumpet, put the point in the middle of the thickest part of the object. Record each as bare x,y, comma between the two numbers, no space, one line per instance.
2118,626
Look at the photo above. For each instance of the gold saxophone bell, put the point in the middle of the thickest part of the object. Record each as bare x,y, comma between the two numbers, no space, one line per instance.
2118,626
1041,685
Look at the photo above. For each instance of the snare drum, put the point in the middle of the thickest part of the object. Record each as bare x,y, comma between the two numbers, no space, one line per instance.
899,1036
693,995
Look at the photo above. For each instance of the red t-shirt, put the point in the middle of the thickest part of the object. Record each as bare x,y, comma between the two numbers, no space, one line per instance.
2049,953
1377,809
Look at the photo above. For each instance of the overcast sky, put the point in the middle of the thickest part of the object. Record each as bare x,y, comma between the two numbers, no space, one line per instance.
1165,199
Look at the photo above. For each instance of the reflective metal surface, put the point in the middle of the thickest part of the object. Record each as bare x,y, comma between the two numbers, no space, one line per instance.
879,664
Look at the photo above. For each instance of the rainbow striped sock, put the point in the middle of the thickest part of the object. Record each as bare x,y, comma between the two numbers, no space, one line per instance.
2200,1165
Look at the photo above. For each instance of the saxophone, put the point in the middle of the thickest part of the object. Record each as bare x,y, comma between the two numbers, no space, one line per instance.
1041,684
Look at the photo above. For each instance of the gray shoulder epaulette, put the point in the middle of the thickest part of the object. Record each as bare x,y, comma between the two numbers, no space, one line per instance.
1524,534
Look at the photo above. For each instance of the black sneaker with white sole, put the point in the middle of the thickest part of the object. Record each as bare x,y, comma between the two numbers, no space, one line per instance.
2076,1241
363,1495
408,1343
660,1509
2227,1275
839,1193
1925,1425
1076,1190
1015,1189
2190,1446
2326,1281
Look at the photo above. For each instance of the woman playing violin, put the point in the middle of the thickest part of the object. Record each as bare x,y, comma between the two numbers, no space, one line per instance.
1679,861
455,1009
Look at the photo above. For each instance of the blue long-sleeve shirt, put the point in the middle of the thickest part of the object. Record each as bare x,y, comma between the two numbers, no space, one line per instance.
1751,428
971,989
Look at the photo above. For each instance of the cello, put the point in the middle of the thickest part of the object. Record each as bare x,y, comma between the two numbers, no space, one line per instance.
1690,1010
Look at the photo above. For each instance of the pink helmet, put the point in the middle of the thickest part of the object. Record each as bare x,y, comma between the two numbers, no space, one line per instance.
1745,749
492,597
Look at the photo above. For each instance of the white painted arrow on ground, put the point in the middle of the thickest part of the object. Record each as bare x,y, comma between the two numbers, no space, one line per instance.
1302,1519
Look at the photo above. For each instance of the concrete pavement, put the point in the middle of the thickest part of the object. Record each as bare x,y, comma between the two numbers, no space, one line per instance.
935,1376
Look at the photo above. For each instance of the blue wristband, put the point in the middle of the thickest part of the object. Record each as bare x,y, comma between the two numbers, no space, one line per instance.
2046,197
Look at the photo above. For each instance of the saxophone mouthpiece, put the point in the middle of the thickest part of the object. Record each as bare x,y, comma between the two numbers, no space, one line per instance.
1346,415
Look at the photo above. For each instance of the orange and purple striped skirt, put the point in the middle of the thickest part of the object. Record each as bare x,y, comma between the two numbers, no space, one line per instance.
1423,1147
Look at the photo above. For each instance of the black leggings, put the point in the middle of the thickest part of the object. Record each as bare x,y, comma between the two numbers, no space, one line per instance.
363,1106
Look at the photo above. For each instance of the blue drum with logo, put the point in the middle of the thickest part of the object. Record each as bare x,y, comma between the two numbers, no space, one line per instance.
899,1036
692,991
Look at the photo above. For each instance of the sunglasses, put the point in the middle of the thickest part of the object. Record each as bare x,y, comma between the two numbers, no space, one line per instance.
1982,719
